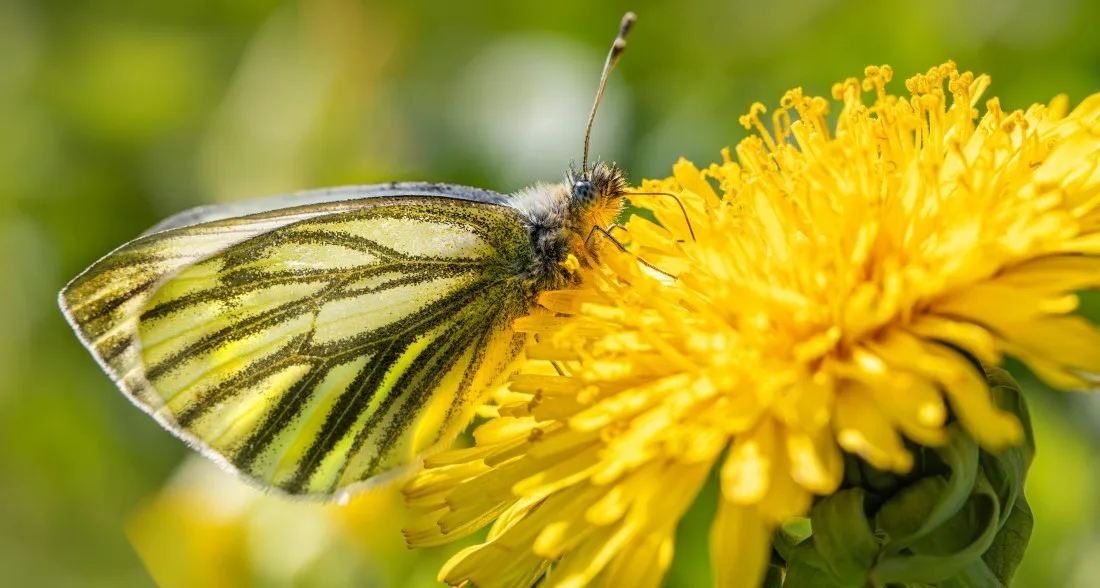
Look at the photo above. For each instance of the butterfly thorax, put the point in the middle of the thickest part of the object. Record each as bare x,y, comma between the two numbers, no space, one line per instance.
566,219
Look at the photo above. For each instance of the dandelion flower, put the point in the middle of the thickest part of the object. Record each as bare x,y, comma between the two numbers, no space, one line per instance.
830,289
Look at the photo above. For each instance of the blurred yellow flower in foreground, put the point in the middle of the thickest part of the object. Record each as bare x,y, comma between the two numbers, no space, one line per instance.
207,529
830,295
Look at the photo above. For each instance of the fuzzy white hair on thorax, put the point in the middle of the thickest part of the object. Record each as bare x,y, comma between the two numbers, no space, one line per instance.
544,205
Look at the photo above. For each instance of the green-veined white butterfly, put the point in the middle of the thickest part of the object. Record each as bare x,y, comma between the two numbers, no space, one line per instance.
313,342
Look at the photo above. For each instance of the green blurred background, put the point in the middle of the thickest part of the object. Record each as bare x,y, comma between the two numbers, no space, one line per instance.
115,113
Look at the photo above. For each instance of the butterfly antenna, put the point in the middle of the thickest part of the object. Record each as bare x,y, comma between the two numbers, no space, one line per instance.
617,49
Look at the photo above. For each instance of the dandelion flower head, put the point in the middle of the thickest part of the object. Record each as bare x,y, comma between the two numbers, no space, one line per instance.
825,289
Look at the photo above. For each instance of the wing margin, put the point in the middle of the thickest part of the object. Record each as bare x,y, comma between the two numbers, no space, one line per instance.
215,212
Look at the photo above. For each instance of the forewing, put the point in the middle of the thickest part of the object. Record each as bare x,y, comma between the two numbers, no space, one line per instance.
317,348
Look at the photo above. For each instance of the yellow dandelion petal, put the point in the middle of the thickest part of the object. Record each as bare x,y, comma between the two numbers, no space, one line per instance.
552,526
816,462
641,563
1051,371
1072,341
580,566
555,475
862,429
490,566
746,473
909,402
786,497
492,438
662,500
569,301
740,541
694,182
1053,275
613,504
972,338
431,489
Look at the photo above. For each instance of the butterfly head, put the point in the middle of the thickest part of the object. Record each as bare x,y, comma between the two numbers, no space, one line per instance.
595,198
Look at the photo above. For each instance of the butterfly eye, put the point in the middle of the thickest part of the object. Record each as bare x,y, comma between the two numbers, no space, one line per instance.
584,192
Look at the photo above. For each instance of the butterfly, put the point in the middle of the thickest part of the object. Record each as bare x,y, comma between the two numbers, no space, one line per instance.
315,343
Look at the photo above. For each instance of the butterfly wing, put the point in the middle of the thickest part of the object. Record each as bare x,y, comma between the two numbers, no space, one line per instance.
314,348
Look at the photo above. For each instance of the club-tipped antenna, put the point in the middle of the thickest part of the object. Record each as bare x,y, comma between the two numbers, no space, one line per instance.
617,49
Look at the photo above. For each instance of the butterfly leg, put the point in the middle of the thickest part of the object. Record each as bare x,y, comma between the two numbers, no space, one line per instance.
618,226
606,233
